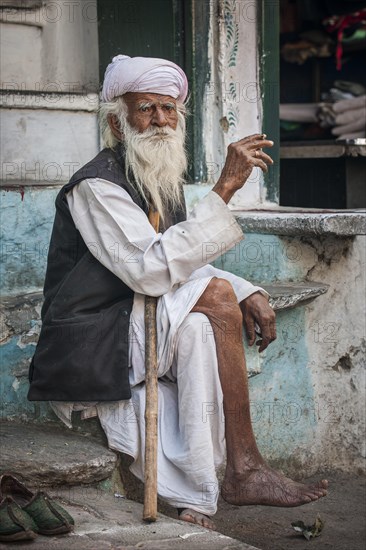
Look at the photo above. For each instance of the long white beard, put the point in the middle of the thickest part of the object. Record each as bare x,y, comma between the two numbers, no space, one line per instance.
157,160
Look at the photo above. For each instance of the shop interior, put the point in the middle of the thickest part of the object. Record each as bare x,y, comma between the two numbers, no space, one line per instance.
323,104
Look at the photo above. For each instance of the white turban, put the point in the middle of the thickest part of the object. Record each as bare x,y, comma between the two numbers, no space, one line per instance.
144,74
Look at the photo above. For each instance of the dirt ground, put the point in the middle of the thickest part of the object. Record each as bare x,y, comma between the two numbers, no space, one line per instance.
343,512
268,528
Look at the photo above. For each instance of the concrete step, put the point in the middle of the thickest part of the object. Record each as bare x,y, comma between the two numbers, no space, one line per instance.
103,521
296,222
72,467
50,455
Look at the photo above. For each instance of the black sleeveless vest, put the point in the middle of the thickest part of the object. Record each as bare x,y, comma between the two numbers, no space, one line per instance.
82,352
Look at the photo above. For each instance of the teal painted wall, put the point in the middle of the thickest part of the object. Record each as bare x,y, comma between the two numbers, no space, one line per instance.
27,217
282,396
14,384
264,258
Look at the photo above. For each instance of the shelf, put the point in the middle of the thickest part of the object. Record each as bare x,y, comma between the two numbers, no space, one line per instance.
322,149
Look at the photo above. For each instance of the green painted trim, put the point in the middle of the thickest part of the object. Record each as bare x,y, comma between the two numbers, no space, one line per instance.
269,70
201,76
173,29
141,28
198,72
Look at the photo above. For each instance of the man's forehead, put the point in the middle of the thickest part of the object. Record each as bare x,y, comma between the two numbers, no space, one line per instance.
133,98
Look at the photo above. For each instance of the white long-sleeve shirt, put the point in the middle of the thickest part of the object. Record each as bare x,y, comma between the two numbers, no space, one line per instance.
117,231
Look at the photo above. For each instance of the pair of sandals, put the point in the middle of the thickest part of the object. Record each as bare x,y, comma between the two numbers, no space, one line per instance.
24,515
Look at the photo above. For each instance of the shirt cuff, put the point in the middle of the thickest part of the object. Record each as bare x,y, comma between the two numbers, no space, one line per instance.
249,291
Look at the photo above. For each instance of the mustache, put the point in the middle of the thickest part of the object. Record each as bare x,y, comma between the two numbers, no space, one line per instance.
153,132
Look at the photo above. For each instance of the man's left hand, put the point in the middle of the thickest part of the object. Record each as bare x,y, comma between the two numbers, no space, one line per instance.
256,309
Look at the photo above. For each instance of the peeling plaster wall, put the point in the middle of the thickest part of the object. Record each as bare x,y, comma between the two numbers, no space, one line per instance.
25,236
336,339
20,326
232,101
308,403
49,76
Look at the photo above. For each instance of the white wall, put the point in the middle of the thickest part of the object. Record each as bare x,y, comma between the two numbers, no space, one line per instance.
51,48
49,67
233,103
336,339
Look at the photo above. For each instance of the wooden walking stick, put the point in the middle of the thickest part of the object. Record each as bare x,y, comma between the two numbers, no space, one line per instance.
151,403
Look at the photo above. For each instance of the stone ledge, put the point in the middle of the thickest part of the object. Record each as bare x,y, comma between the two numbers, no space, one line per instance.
299,222
289,295
49,455
17,311
56,101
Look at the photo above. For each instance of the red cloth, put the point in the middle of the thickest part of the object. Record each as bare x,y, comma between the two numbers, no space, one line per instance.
338,23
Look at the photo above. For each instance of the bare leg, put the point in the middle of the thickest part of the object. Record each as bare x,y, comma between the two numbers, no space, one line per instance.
248,479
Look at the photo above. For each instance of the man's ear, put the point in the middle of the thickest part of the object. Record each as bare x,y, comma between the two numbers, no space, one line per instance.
115,126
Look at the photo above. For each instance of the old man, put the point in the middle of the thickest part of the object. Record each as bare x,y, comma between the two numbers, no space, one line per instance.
105,257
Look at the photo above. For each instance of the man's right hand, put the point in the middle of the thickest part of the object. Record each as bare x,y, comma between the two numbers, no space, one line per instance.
242,157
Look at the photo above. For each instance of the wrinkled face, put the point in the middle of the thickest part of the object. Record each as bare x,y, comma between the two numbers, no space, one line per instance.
145,111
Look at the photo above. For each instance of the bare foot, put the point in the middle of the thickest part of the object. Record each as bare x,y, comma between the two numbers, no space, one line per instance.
192,516
268,487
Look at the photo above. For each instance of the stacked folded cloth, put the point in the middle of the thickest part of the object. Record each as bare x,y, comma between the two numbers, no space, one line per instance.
346,117
350,118
24,515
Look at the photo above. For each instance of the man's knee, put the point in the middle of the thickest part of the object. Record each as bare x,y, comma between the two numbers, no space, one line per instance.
220,291
219,300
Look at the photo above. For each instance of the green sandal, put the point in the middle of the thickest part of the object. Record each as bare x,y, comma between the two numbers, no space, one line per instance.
15,524
49,517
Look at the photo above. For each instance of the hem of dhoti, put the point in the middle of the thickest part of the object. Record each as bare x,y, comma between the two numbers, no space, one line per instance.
206,510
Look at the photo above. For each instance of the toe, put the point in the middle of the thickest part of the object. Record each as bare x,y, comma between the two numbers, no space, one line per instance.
191,516
208,523
320,488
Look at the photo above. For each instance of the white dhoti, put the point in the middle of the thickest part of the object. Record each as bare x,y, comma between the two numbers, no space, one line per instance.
191,443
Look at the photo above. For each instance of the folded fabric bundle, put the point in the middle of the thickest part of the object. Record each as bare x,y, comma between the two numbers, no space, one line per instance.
325,115
356,126
348,104
299,112
348,117
343,89
355,89
337,95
